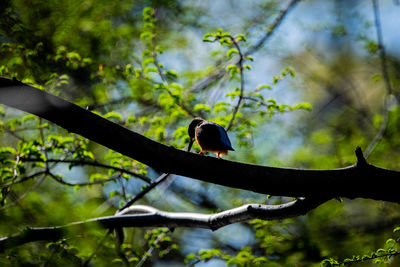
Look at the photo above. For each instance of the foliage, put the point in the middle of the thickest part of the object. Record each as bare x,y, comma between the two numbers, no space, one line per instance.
151,66
380,256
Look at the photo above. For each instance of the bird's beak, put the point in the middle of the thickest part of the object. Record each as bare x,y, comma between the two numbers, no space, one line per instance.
190,144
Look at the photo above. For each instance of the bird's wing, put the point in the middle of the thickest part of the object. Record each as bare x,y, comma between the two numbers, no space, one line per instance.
224,136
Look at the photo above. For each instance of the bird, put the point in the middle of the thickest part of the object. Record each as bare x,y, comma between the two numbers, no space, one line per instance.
210,136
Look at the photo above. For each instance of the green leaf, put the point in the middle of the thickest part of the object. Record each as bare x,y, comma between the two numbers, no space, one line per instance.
7,150
247,66
150,69
74,56
97,176
224,34
221,106
2,111
290,71
88,154
131,119
339,30
201,107
376,77
176,87
113,194
147,61
13,123
209,37
306,106
146,36
390,242
232,69
147,11
146,53
6,174
225,41
276,79
381,252
263,86
171,74
118,261
128,69
113,115
160,134
45,125
240,37
372,47
134,260
232,51
365,257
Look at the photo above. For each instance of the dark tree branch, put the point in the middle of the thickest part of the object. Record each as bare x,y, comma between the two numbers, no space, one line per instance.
146,190
359,180
145,216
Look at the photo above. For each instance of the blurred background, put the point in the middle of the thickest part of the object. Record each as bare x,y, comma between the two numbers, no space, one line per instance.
319,84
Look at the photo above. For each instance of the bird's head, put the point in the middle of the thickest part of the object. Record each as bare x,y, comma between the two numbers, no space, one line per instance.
192,130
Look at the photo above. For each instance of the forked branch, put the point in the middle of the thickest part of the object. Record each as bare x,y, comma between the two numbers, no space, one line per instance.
146,216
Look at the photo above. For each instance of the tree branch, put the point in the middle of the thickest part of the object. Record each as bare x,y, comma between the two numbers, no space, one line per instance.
142,193
220,72
146,216
381,47
23,179
363,180
240,63
382,54
62,181
90,163
271,28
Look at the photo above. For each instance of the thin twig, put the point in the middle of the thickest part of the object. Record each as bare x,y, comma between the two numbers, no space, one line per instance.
381,132
61,181
15,201
165,83
240,63
44,146
383,127
142,193
23,179
262,103
206,81
381,47
120,180
272,27
86,263
390,254
12,133
150,250
91,163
